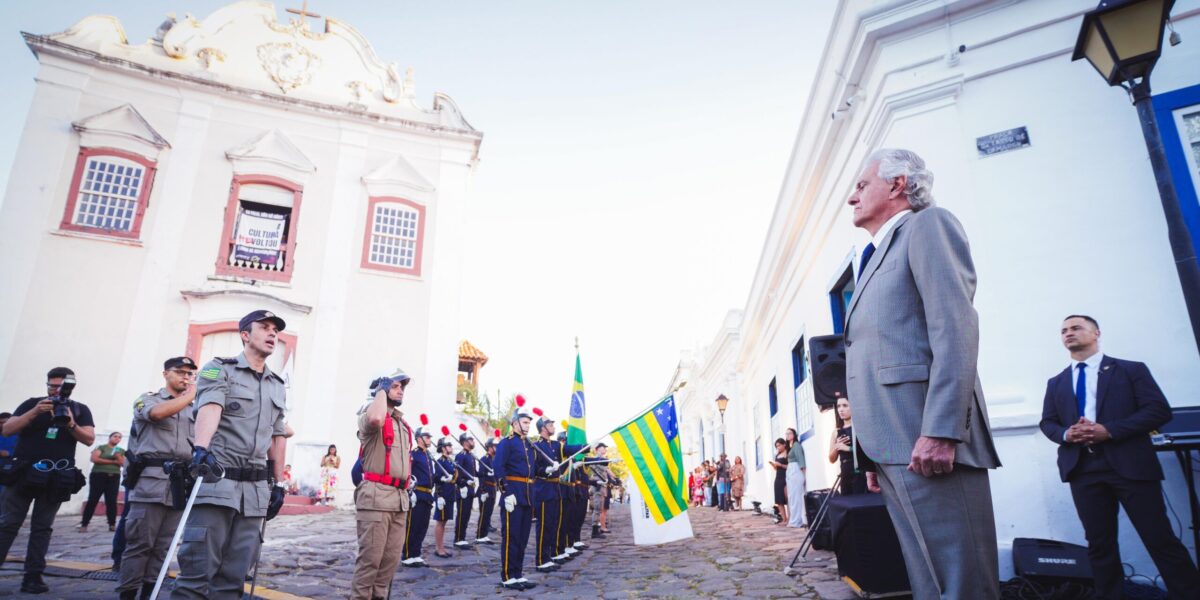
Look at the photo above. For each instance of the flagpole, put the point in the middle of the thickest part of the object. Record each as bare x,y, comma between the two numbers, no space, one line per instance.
639,415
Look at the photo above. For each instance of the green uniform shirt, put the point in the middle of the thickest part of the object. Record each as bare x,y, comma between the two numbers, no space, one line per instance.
252,409
169,438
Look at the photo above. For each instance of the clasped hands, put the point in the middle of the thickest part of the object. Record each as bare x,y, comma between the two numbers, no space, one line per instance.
1087,432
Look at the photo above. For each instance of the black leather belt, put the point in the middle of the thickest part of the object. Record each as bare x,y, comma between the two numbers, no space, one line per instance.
247,474
157,462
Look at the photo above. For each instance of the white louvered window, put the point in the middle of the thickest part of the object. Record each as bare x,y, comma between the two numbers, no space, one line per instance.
395,233
109,191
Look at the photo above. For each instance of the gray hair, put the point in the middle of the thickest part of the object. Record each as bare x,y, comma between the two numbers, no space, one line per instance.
894,162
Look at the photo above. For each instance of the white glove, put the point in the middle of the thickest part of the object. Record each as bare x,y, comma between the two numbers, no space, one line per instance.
412,499
549,470
462,493
447,479
441,504
510,503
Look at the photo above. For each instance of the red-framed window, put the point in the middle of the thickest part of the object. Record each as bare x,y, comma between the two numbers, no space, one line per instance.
394,236
109,192
258,240
208,340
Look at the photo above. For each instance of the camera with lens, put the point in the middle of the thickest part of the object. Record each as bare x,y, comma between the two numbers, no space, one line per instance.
62,402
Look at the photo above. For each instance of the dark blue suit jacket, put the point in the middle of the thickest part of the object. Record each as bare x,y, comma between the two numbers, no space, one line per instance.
1128,403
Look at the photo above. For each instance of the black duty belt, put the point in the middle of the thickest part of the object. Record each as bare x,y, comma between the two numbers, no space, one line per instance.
247,474
157,462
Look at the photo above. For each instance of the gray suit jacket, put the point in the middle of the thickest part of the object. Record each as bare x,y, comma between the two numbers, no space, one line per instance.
912,344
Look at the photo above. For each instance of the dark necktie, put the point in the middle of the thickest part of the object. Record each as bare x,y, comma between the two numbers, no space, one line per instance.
1081,388
866,257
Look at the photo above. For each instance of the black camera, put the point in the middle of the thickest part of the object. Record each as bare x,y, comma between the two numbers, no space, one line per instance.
62,402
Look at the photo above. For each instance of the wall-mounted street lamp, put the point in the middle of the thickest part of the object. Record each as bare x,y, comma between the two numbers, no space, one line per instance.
1123,39
722,404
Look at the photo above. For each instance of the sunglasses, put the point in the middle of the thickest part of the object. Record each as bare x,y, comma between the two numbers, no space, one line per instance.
184,373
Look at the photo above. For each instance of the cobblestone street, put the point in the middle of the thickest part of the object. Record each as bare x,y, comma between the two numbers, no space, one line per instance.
311,556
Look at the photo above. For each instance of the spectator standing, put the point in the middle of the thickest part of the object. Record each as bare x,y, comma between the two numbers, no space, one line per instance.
723,467
737,482
780,465
105,480
796,470
8,443
330,463
842,447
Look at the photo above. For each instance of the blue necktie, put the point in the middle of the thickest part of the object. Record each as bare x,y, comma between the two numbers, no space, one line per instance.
866,256
1081,388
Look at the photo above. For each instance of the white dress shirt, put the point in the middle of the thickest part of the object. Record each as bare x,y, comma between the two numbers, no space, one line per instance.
887,227
1093,375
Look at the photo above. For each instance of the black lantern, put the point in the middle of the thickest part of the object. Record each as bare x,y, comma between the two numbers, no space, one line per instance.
1123,38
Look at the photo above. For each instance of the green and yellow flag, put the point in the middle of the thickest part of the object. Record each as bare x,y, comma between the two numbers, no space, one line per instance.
577,421
650,447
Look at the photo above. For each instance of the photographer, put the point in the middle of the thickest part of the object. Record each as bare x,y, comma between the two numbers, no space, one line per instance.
42,470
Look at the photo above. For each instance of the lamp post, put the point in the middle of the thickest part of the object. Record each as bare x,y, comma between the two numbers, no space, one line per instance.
722,404
1122,39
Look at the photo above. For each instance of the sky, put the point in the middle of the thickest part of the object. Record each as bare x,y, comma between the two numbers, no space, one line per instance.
632,157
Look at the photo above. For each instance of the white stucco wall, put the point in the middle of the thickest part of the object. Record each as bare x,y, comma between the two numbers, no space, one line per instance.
1071,224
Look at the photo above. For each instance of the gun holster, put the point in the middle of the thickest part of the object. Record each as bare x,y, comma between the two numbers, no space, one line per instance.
134,471
180,478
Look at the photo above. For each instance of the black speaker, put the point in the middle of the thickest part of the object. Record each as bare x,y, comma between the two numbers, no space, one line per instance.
822,539
868,552
828,356
1051,561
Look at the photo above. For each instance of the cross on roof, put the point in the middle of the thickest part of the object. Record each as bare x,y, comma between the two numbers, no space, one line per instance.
303,12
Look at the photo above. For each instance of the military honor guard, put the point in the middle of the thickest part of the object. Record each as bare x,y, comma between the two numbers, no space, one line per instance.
447,492
550,492
487,490
160,447
514,467
420,498
468,482
240,436
381,499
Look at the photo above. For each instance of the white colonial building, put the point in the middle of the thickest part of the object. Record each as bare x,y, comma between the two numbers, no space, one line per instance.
163,189
1047,169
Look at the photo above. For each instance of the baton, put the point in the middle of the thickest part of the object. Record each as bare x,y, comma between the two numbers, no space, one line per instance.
187,510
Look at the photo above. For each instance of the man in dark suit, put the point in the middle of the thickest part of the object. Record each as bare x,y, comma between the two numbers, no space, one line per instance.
1101,410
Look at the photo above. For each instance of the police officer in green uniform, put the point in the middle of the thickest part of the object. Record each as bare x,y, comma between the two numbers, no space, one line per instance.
161,436
239,430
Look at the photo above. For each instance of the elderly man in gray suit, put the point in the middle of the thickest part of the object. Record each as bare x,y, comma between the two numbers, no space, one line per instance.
912,342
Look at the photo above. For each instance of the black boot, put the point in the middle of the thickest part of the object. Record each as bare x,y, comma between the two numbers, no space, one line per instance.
596,532
148,588
33,584
129,595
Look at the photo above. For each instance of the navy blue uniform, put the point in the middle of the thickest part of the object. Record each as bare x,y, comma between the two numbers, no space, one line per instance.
466,461
418,517
446,490
514,464
549,492
487,497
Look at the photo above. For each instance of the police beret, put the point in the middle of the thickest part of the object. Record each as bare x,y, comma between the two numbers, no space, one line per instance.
261,315
179,361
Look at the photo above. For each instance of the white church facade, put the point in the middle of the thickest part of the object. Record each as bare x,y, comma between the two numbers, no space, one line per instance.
1065,219
163,189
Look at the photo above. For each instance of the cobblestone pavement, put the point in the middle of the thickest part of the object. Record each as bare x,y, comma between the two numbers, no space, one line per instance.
733,555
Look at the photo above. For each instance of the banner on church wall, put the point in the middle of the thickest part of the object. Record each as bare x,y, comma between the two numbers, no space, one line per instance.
259,237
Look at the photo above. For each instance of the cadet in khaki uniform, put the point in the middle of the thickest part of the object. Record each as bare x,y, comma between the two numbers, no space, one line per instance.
161,434
601,478
239,429
381,498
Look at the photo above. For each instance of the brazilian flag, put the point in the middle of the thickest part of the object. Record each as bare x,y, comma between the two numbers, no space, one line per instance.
577,416
650,447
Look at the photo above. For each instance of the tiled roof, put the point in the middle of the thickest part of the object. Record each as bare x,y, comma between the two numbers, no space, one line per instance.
468,352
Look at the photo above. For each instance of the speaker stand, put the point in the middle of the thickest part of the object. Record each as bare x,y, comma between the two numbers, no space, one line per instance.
822,512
